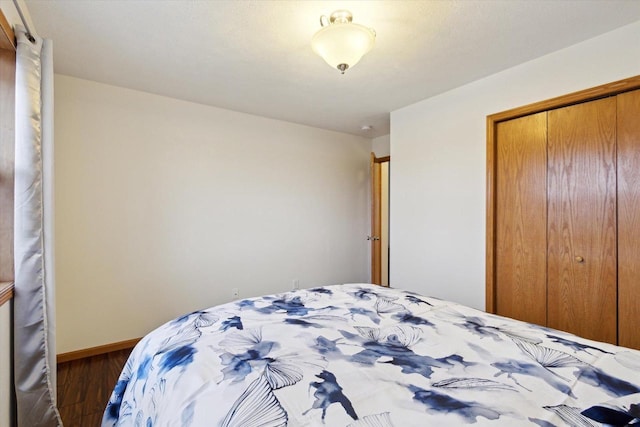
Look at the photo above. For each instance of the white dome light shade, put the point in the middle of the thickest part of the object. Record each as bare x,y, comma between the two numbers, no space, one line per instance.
342,43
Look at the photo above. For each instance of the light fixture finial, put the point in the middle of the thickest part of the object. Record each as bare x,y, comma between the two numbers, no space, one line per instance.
340,42
341,17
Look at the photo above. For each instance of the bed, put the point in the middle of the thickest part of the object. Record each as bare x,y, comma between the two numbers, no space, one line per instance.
364,355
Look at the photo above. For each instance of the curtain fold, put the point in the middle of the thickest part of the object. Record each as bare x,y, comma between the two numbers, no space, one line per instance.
34,303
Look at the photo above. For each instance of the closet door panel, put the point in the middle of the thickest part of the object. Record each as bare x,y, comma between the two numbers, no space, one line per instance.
521,218
582,259
629,219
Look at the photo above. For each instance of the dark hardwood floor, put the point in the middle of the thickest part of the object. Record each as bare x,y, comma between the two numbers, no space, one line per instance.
84,387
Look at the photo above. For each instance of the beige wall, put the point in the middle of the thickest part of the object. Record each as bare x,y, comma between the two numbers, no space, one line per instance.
381,145
163,206
439,162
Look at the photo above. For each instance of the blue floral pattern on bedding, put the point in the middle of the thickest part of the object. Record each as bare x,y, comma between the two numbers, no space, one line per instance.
363,355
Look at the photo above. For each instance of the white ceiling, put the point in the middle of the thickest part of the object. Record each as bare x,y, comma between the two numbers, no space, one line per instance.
255,57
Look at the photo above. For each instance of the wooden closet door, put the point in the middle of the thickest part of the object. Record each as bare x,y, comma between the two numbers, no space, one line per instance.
521,218
582,270
629,219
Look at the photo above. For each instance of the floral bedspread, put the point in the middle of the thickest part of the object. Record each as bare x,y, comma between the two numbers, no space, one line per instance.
364,355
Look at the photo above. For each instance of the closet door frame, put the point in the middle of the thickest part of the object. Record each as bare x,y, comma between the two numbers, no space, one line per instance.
609,89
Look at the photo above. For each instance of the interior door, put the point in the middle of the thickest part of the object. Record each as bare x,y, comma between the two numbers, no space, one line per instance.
628,133
582,228
379,235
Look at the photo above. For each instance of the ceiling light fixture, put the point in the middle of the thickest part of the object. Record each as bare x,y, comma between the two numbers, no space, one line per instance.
340,42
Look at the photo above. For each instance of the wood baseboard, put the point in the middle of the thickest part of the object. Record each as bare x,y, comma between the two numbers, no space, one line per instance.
95,351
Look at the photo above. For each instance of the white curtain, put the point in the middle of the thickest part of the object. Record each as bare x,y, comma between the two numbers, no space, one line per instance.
34,304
